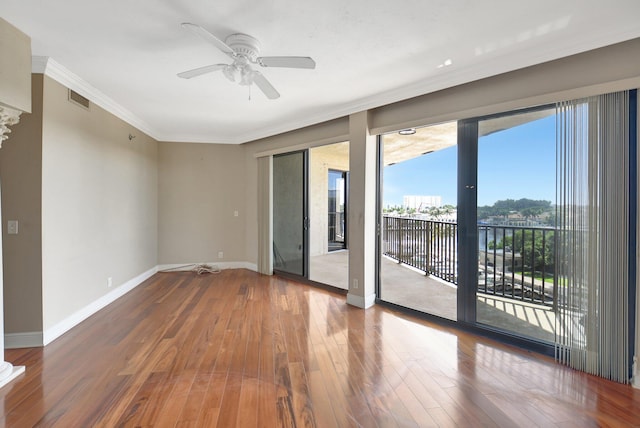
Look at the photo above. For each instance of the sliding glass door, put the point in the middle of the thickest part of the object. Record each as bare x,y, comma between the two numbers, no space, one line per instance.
290,218
328,200
467,221
540,247
419,252
309,214
516,189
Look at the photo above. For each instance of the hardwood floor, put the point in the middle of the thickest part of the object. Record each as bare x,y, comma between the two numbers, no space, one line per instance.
242,349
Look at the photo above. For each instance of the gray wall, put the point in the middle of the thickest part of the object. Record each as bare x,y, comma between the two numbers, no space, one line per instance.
21,177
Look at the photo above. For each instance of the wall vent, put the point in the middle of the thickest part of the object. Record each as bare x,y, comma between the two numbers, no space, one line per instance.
78,99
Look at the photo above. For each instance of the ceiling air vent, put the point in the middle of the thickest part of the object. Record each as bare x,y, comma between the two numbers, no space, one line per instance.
78,99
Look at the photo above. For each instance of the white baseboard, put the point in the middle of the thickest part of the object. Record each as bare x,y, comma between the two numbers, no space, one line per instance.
13,373
30,339
361,302
219,265
65,325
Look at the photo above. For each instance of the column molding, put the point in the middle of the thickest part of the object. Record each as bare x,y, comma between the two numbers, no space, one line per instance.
8,117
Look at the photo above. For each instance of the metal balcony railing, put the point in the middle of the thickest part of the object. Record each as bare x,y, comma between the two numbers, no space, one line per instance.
514,262
427,245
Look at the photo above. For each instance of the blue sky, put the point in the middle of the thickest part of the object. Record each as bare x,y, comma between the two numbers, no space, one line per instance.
512,164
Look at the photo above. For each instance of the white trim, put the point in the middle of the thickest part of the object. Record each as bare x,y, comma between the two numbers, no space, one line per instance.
39,64
635,378
219,265
15,372
361,302
76,318
447,79
436,82
30,339
62,75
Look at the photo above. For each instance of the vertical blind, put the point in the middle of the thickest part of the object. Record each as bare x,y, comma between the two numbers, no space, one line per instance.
592,326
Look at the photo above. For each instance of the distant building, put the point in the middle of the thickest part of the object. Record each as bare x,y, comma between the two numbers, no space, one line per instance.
500,259
421,202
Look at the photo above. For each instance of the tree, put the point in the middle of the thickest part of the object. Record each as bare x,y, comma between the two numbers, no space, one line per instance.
532,211
527,207
534,254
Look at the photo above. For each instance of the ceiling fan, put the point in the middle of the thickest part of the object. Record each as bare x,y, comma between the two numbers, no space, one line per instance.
244,51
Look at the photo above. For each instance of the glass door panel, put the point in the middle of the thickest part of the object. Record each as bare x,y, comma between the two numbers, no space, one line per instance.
328,200
516,287
289,213
336,211
418,261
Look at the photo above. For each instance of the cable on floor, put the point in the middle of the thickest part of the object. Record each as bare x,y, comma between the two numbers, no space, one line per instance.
199,269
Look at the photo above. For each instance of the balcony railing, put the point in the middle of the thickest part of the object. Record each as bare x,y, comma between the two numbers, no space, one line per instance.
514,262
429,246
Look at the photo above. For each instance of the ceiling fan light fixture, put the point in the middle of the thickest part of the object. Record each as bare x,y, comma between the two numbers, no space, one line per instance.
244,50
231,72
246,76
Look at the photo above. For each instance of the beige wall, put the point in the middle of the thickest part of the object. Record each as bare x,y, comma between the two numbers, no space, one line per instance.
21,177
201,186
318,203
15,67
99,204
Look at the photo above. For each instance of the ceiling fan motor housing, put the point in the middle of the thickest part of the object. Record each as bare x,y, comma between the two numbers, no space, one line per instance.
244,46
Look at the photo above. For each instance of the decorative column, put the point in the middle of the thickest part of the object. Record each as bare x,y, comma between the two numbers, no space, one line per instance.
8,117
15,98
8,371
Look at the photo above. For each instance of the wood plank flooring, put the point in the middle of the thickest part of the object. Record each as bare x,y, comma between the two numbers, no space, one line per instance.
242,349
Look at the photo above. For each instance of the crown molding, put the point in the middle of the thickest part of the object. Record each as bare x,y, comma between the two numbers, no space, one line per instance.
59,73
437,80
39,64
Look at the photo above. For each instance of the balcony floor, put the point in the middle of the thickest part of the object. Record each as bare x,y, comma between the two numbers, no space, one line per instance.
407,287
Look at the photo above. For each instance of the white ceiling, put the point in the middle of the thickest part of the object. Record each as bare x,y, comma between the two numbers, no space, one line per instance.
368,53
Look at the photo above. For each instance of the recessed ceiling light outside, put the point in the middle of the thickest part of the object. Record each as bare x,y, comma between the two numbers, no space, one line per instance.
408,131
446,63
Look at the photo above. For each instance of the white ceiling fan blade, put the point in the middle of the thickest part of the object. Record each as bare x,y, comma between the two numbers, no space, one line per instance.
210,38
287,61
264,85
201,70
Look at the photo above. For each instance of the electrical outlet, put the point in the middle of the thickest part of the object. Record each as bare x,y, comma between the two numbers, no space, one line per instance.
109,282
235,213
220,254
12,227
355,284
